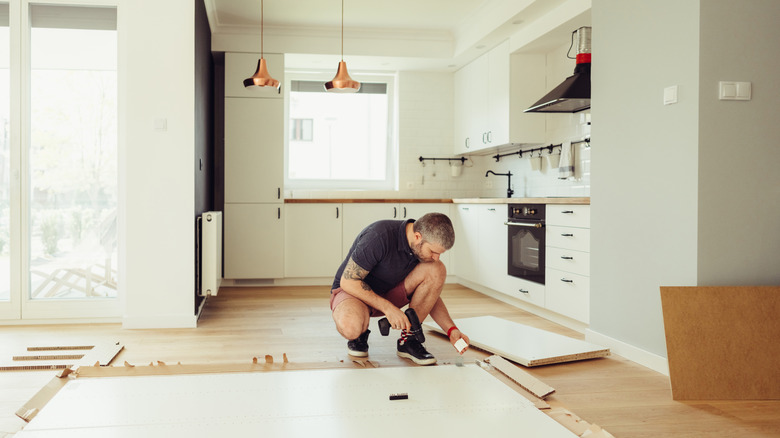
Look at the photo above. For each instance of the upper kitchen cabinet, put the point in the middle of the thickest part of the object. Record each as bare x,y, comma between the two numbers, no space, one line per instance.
490,95
254,150
239,66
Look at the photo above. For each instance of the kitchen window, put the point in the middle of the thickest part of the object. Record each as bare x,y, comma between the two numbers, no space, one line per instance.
340,141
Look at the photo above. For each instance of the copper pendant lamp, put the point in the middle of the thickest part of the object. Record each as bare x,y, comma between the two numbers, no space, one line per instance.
342,83
261,78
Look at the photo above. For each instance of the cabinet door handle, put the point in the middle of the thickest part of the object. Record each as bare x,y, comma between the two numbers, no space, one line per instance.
566,280
567,235
464,208
395,212
404,212
483,137
467,143
490,136
523,291
337,212
278,212
278,193
491,209
567,257
568,212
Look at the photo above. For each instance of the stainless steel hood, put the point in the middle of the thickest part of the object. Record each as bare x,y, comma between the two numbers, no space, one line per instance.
573,94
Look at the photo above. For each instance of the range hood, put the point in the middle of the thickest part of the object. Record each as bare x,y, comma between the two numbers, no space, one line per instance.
573,94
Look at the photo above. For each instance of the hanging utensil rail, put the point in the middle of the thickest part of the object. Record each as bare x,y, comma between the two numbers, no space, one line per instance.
550,148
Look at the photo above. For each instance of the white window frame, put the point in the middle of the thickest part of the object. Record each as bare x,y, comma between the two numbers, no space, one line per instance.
391,155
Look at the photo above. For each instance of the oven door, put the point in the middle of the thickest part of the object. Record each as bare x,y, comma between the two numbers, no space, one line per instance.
526,250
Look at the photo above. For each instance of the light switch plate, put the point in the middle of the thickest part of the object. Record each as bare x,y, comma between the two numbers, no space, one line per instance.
670,95
733,90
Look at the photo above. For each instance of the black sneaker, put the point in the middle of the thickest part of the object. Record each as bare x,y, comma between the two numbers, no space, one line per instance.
359,347
414,350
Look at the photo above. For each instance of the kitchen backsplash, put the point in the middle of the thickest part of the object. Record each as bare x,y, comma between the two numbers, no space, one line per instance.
425,125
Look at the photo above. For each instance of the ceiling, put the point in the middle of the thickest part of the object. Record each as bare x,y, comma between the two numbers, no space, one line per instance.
382,35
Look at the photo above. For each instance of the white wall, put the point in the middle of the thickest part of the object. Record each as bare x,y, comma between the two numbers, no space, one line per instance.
645,165
739,182
156,170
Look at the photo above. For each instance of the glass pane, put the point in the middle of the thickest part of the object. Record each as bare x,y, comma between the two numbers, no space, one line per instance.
73,163
5,163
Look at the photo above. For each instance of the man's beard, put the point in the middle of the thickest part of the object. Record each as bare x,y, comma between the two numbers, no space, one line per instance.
417,251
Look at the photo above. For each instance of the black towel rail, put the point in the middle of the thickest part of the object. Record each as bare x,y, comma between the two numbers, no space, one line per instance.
461,159
550,148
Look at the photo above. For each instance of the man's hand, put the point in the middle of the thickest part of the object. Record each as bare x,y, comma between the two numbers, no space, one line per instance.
455,336
397,318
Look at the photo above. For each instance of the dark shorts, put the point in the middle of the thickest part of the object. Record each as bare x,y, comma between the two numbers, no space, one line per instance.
397,295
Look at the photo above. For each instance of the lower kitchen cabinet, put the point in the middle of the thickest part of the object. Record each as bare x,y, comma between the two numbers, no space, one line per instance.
525,290
493,248
312,235
567,261
568,294
254,241
480,244
466,222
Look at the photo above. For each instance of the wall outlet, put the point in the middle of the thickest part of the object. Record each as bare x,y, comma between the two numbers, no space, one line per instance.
409,185
488,184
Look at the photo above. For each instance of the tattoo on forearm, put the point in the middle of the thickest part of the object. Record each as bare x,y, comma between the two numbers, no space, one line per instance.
353,272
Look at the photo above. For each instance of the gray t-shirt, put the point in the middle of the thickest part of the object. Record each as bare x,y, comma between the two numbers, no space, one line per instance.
383,250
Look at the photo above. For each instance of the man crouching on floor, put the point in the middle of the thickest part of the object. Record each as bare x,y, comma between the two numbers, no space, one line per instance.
393,263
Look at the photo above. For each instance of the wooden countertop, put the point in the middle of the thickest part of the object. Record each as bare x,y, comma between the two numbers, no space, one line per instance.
576,201
368,201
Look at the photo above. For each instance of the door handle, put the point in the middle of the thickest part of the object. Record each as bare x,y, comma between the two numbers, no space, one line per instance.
566,280
523,291
567,235
567,257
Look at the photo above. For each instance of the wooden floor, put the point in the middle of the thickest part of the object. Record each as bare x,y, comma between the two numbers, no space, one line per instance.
626,399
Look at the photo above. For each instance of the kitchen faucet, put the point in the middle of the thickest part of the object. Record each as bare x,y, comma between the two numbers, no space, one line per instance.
508,176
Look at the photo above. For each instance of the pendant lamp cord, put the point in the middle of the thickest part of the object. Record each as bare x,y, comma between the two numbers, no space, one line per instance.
261,27
342,30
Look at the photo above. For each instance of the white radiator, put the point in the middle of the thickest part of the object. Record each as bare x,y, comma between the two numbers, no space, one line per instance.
211,252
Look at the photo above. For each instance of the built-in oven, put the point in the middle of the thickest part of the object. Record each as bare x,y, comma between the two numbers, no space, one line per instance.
525,237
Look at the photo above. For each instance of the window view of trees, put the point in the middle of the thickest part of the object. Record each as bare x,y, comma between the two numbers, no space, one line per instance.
73,164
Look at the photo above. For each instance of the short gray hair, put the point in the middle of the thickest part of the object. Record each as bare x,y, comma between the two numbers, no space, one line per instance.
436,228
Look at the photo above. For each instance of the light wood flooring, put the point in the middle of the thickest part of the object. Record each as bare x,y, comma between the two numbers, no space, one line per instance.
625,398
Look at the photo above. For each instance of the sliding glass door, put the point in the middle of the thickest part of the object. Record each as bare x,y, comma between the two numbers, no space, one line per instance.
67,154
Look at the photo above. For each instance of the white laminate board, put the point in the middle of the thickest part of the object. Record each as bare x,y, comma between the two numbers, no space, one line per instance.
520,343
443,401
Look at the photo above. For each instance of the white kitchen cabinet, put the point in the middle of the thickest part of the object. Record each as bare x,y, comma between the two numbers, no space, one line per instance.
254,150
480,244
525,290
240,66
466,222
359,215
567,274
490,95
493,248
254,241
312,240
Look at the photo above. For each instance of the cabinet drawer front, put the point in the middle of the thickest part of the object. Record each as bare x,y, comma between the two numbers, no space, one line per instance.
568,215
567,294
525,290
577,262
577,239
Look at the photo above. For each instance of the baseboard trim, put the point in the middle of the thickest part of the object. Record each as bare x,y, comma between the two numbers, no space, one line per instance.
630,352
